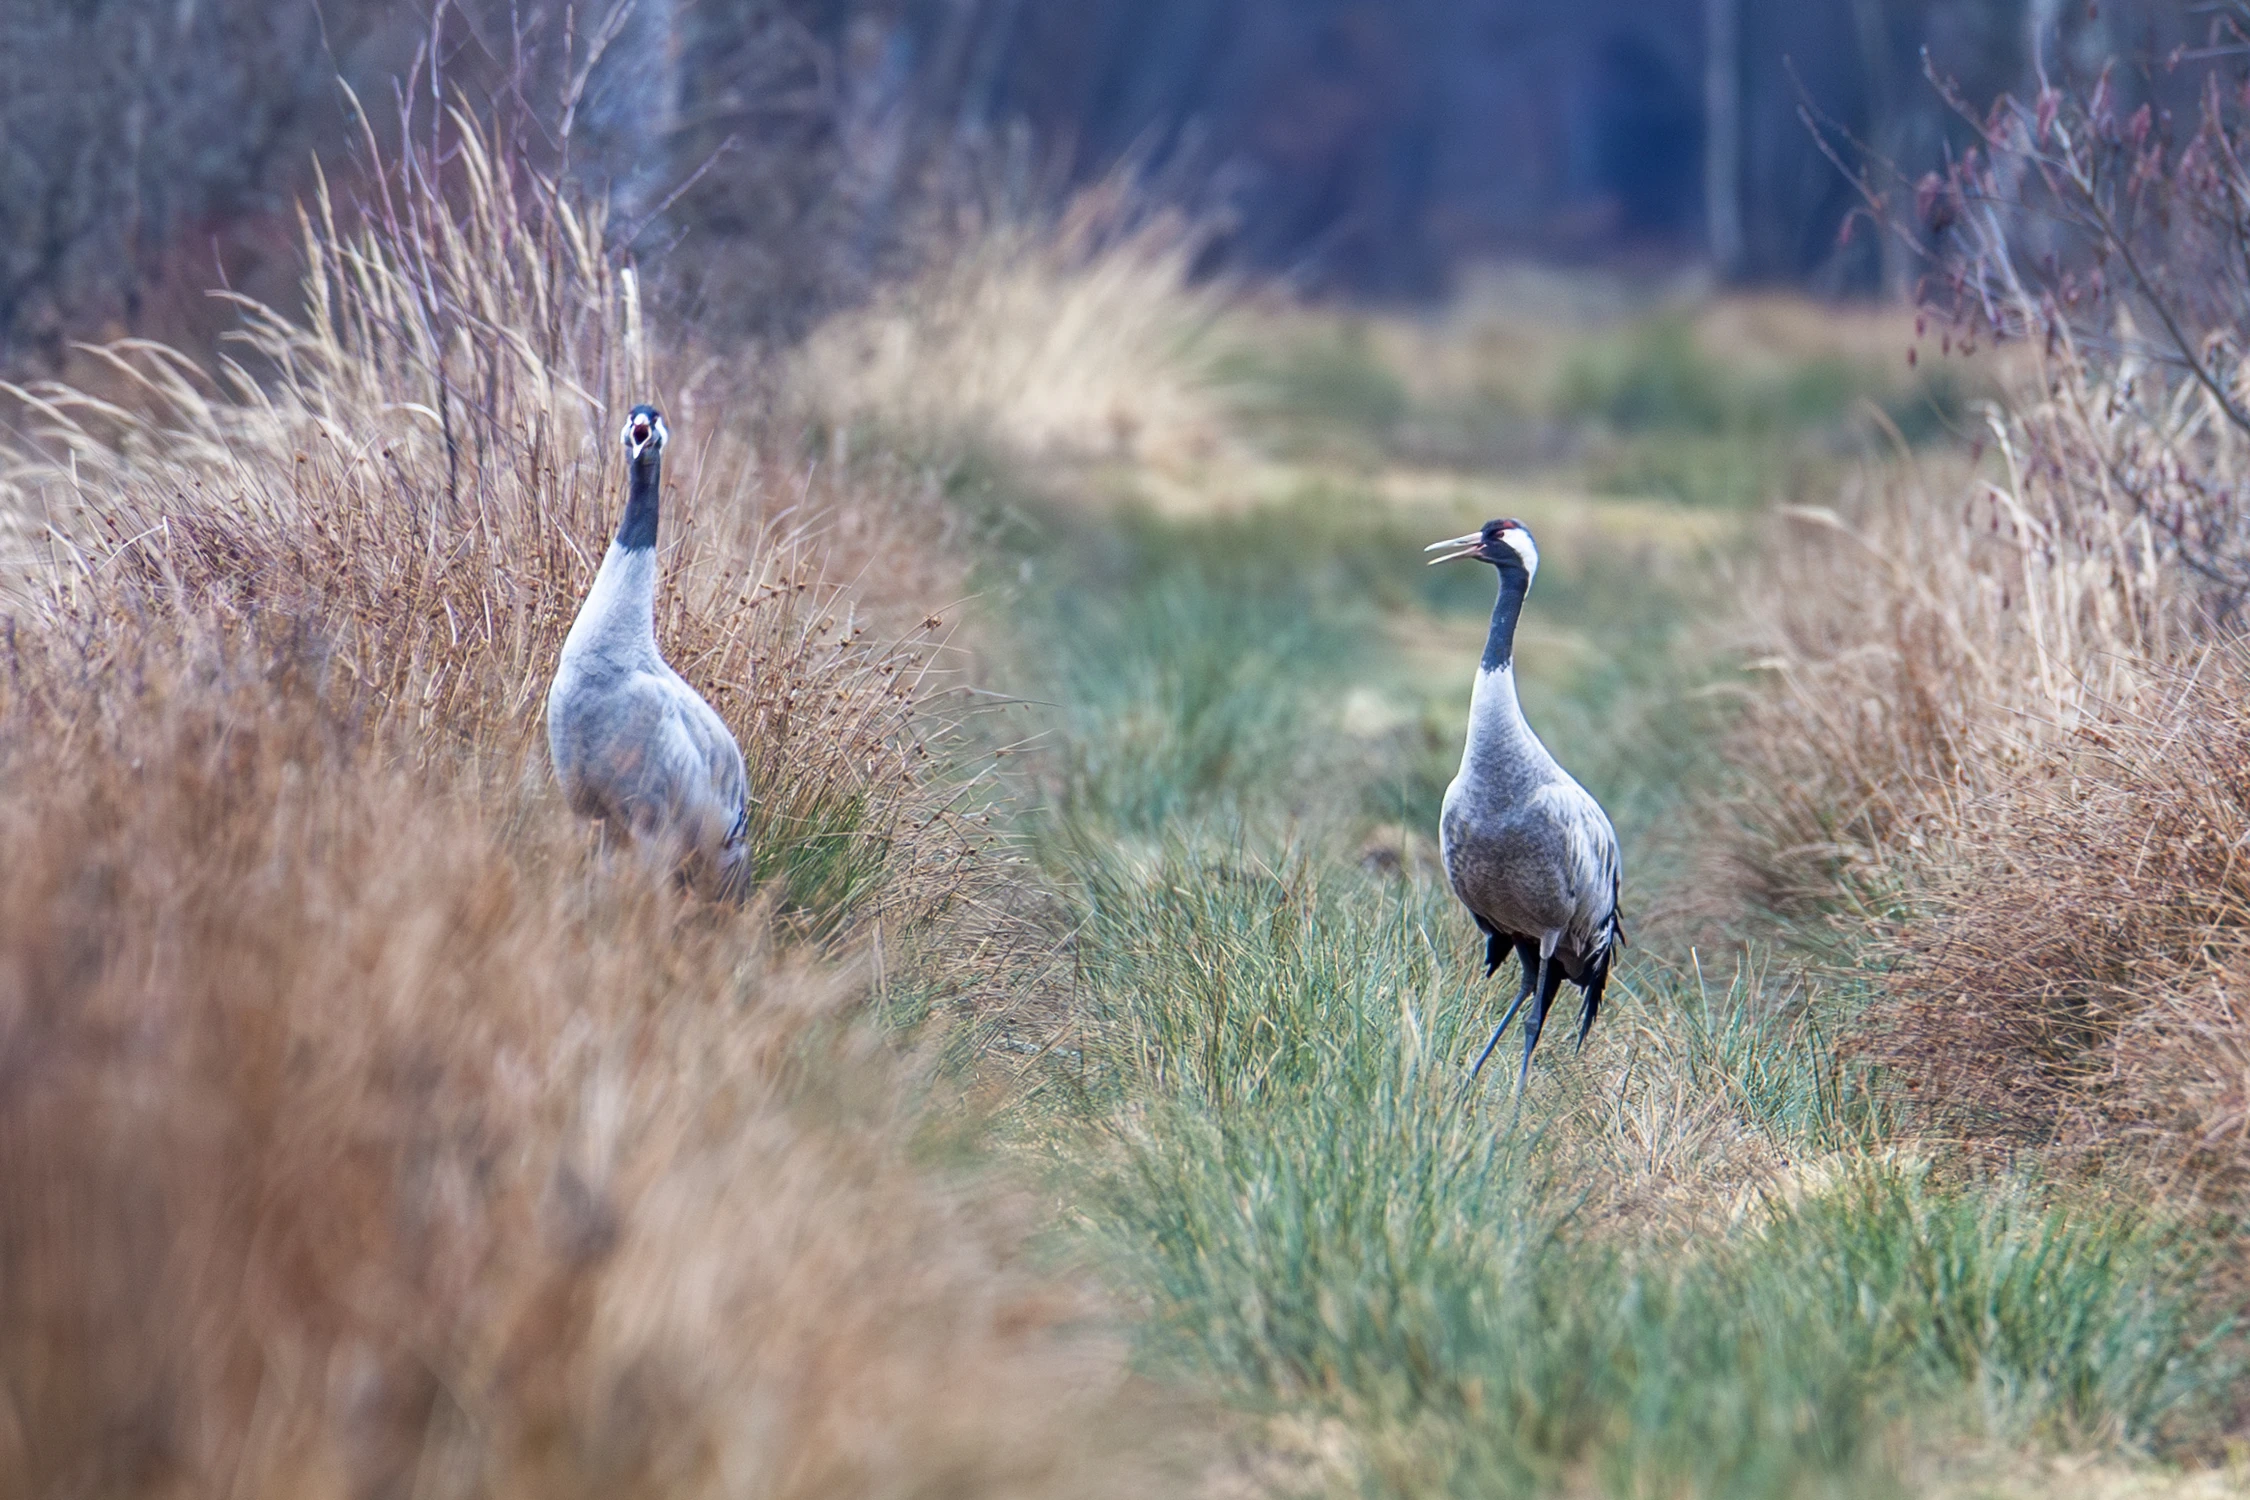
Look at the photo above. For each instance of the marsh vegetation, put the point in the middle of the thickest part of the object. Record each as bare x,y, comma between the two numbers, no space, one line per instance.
1081,1104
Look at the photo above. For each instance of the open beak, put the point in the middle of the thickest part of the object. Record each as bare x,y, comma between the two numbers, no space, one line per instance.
1467,547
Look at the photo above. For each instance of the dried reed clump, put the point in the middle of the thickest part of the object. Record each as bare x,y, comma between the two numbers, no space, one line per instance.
2004,733
423,470
1914,651
1918,660
1072,340
2075,972
359,1142
364,1132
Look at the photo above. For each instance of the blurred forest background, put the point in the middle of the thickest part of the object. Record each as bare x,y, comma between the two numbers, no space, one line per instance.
776,158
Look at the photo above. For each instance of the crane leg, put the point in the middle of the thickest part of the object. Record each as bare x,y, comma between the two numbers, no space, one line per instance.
1524,955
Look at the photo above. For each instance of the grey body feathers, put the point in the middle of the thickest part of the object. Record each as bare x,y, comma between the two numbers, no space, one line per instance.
1527,849
631,742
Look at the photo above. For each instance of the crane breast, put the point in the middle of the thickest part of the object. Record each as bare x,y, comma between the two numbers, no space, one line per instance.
645,748
1542,861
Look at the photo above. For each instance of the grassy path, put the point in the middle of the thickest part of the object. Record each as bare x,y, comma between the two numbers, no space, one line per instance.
1696,1264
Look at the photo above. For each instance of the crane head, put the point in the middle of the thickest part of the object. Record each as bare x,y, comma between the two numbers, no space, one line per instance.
1504,544
645,433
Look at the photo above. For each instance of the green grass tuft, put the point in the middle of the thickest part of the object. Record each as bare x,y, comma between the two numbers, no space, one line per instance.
1695,1264
1327,1217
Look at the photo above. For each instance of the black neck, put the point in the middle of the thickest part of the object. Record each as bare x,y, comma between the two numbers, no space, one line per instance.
1500,643
638,529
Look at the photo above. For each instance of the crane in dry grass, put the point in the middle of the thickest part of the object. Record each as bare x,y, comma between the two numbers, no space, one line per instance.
632,744
1527,849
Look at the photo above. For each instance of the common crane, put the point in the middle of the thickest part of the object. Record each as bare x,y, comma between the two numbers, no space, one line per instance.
632,743
1528,850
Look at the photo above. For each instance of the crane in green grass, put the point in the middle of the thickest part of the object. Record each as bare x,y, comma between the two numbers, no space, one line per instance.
1528,850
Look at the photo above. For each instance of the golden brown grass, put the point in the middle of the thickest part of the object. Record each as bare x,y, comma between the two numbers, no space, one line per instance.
1064,341
367,1129
1917,642
360,1142
1996,739
2075,974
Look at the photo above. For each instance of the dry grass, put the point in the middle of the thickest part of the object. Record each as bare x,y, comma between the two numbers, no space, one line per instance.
369,1132
1918,644
2077,973
1996,738
362,1142
1066,341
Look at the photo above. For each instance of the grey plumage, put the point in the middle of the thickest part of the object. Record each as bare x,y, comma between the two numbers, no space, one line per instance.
1527,849
631,742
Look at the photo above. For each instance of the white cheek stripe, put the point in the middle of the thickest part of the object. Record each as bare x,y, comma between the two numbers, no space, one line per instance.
1519,541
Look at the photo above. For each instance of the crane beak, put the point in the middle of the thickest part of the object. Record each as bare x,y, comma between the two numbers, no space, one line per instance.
1467,545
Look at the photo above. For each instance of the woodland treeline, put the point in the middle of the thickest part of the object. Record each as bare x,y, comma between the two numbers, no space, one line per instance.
771,158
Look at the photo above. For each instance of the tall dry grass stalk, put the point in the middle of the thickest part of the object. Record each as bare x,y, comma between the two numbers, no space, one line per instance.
1072,340
1919,644
365,1130
422,469
1996,736
357,1140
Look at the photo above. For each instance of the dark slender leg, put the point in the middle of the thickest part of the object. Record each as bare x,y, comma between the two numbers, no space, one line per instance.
1550,980
1528,956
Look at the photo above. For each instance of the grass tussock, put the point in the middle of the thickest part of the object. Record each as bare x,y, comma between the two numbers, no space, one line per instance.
1993,743
1913,650
421,473
1456,1297
372,1131
361,1140
2075,973
1065,341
